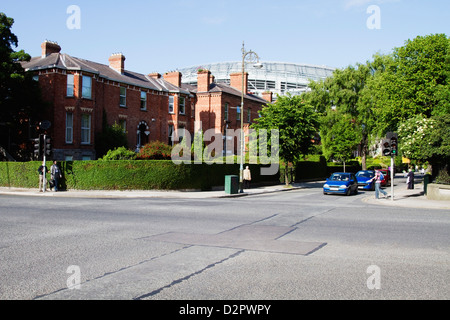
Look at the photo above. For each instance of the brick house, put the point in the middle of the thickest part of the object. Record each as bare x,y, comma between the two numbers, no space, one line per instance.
148,107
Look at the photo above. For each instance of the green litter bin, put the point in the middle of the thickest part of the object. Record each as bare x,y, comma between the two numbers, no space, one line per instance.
231,184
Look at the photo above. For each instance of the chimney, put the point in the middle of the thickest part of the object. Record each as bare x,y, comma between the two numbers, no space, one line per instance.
49,47
268,96
236,81
173,78
154,75
117,62
203,80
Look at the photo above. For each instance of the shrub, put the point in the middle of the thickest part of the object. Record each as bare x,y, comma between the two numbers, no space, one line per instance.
120,153
155,150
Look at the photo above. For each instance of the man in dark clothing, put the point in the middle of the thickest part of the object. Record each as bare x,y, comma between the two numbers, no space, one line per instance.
410,179
55,172
42,170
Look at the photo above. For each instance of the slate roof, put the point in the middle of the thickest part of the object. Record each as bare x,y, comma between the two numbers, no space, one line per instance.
67,62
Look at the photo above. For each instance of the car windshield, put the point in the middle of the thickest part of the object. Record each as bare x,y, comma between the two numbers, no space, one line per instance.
365,174
340,177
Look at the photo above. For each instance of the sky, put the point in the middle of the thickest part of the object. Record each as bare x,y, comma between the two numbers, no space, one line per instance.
166,35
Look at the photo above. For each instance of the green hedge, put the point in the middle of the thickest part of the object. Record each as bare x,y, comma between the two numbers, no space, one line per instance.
129,175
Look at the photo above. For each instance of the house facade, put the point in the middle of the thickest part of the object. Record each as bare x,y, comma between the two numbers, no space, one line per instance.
84,95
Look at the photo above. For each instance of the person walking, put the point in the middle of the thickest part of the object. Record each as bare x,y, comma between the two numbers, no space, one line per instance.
410,179
247,178
378,178
42,170
55,172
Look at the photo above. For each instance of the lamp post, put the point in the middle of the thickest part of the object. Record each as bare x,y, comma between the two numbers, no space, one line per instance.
250,57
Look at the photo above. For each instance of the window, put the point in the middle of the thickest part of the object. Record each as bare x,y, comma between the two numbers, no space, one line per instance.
86,91
86,129
171,104
225,112
123,97
69,127
171,131
238,115
182,105
143,100
249,115
70,85
123,125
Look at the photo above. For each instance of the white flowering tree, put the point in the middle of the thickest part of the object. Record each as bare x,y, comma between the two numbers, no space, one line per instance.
426,139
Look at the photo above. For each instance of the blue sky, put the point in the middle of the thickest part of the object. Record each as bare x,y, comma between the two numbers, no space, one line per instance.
160,36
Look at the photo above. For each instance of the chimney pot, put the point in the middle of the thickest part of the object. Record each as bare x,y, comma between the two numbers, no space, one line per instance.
49,47
117,62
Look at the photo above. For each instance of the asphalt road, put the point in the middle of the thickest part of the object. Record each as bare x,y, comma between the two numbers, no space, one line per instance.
283,246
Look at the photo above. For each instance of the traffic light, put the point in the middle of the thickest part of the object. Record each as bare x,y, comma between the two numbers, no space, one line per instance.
394,144
47,146
37,147
386,147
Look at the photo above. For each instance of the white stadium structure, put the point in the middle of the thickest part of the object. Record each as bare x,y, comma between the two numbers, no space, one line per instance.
278,77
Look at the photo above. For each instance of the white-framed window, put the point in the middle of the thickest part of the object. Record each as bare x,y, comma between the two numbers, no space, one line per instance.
86,129
238,113
69,127
123,97
182,105
70,85
249,115
170,132
86,91
143,100
171,107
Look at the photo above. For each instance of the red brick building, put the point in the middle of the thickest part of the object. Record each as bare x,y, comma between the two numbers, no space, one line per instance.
148,107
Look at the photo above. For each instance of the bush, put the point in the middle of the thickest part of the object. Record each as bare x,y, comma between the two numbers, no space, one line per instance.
155,150
443,177
120,153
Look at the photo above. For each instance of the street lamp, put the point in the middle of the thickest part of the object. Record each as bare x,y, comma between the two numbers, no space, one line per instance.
249,57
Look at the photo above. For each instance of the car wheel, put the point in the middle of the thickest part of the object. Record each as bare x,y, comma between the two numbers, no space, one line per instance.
349,191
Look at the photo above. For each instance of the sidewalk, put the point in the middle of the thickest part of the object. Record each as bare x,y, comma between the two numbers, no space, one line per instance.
105,194
408,198
402,197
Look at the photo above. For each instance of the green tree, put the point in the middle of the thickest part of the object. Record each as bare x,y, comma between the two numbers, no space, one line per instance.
111,137
296,122
21,105
340,137
413,80
344,95
426,140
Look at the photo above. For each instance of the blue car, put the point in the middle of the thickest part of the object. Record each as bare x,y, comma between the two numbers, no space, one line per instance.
363,177
341,183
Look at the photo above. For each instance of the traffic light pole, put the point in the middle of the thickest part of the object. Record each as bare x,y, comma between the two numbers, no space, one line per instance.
392,177
44,178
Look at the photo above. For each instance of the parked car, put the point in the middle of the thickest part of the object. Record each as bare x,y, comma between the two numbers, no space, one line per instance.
363,178
341,183
387,177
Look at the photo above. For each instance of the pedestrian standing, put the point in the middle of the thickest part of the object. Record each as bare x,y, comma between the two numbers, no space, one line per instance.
42,172
378,178
410,179
55,172
247,178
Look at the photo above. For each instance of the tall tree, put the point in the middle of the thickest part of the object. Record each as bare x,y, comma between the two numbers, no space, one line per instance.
413,80
297,123
20,99
344,92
